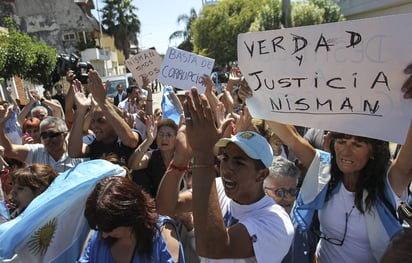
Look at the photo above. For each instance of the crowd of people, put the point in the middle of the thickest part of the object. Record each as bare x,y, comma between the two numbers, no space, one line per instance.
218,186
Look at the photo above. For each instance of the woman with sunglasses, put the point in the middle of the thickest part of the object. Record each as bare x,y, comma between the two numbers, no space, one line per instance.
355,189
127,227
150,165
280,185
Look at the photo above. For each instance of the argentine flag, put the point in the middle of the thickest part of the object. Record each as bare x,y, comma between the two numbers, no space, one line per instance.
53,228
168,106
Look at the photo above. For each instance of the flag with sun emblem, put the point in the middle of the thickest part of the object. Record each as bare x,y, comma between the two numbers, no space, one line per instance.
53,228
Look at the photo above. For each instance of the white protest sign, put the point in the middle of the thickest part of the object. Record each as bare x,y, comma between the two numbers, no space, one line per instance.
183,69
344,76
144,64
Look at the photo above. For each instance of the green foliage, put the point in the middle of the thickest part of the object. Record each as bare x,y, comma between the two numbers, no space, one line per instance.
215,31
24,57
306,13
332,10
90,43
17,56
268,18
44,63
121,22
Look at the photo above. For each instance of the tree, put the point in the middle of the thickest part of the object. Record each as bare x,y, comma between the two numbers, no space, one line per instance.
121,22
269,17
286,13
21,56
186,33
16,52
43,64
217,27
332,10
315,12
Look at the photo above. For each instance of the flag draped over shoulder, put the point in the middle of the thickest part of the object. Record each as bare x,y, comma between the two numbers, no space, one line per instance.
53,227
168,108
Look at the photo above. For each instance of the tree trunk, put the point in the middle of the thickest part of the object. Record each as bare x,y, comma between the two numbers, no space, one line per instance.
286,10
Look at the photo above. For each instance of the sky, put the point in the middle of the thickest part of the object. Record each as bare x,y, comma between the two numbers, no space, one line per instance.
158,20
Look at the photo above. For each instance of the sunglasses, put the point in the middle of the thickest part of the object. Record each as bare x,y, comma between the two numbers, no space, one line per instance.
50,134
332,240
282,192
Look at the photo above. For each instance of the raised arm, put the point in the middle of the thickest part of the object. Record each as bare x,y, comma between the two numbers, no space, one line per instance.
26,110
121,128
400,173
213,239
287,134
136,160
169,200
76,147
18,152
149,98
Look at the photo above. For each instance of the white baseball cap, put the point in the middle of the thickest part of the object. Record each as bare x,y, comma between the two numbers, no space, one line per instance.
252,144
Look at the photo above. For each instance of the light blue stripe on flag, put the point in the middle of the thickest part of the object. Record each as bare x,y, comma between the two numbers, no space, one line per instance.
53,227
168,109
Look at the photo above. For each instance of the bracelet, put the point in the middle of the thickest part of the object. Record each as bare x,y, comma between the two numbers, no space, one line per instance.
208,166
180,169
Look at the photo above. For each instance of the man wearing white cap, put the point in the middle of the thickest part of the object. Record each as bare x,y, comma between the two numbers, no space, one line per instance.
234,220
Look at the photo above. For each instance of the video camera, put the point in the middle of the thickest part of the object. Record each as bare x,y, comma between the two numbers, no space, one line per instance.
67,62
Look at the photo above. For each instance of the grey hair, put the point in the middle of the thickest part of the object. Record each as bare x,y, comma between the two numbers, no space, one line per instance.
59,122
39,108
282,167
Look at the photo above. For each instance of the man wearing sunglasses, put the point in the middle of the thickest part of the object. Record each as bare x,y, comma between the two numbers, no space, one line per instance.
280,185
51,151
112,135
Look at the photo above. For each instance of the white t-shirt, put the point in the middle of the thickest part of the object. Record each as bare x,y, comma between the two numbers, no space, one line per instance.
38,154
356,246
269,227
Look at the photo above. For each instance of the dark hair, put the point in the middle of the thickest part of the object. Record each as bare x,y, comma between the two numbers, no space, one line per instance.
36,176
130,89
117,201
167,123
373,174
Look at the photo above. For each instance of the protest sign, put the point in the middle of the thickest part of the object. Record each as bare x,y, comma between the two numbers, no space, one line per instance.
344,76
144,64
183,69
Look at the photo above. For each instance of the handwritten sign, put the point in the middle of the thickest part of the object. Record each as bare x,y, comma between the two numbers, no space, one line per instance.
183,69
343,76
144,64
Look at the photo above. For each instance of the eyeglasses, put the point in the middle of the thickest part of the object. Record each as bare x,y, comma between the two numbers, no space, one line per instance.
332,240
50,134
281,192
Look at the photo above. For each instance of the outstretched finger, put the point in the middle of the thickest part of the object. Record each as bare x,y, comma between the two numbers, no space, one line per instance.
207,111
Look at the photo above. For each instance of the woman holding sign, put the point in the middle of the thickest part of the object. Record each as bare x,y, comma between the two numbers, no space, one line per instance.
355,188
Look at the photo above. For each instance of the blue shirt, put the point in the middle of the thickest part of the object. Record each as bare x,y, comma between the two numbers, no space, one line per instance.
98,251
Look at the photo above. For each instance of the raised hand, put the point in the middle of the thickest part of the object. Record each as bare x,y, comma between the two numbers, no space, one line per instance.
81,100
96,87
407,86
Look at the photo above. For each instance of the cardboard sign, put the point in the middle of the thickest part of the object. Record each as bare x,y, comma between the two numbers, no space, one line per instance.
344,76
144,64
183,69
